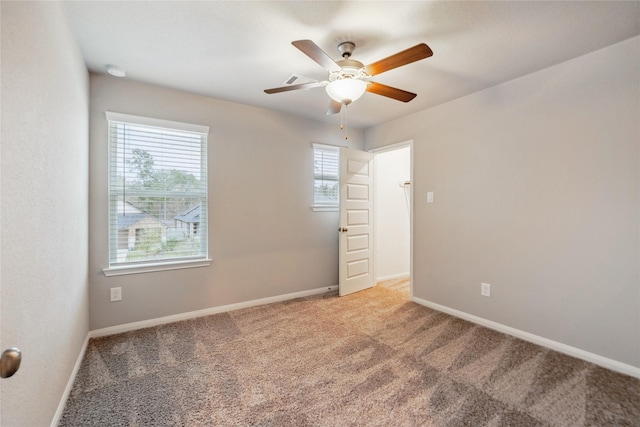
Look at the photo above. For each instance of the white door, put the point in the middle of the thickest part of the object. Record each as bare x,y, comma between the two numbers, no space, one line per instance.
356,221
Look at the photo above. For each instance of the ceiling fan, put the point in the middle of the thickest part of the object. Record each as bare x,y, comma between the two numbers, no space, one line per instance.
348,79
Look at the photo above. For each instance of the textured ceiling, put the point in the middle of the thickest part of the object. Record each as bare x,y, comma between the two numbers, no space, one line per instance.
235,50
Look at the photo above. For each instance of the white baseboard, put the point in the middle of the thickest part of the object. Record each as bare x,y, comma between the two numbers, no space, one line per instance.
393,276
605,362
72,378
205,312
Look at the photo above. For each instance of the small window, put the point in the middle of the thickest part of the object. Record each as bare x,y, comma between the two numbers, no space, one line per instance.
326,183
157,190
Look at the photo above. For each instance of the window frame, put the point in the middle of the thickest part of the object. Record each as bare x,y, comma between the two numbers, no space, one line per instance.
201,260
323,206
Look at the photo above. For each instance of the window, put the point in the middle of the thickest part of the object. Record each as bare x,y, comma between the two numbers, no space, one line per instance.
157,194
325,177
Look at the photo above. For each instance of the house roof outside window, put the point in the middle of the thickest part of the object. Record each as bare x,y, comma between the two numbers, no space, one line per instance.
132,215
191,215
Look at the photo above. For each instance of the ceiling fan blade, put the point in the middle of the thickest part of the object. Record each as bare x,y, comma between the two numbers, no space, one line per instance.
413,54
334,107
390,92
312,50
294,87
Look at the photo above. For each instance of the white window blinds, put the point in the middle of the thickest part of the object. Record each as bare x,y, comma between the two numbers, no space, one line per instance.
157,191
326,177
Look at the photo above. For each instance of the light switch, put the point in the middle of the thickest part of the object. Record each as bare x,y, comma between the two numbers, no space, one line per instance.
430,197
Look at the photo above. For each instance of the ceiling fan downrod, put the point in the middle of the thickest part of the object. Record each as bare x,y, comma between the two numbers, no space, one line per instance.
346,49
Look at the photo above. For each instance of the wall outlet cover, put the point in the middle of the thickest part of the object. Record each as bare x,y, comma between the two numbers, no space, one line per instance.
116,294
485,289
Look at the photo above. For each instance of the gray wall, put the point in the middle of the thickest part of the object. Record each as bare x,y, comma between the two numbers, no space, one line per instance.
263,237
536,187
44,184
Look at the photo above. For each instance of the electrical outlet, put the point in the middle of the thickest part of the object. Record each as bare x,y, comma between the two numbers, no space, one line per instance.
485,289
116,294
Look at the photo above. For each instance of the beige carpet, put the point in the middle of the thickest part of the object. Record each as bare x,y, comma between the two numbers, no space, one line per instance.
368,359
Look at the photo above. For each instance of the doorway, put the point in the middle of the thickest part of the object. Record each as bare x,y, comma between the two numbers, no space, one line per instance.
393,215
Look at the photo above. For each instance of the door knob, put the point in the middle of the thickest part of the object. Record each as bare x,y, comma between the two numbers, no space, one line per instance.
343,229
10,362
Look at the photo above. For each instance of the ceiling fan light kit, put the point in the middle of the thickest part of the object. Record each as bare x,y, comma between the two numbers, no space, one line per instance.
345,91
348,79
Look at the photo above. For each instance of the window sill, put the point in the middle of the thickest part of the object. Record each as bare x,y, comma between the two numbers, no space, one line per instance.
324,208
149,268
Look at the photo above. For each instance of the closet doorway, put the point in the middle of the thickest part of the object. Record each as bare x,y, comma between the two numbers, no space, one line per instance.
393,207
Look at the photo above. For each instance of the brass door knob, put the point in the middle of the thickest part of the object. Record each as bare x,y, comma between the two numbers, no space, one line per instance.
10,362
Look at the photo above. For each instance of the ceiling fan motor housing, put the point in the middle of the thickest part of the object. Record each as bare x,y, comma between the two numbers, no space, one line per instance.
349,69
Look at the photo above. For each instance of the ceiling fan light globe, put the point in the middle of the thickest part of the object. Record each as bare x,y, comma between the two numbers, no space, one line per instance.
346,91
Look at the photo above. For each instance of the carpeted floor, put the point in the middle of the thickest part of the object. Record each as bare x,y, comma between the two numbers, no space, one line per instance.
368,359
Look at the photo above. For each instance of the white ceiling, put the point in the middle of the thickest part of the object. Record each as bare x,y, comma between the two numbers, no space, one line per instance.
234,50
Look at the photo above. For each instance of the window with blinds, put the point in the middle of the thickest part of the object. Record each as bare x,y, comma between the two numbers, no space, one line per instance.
157,191
326,182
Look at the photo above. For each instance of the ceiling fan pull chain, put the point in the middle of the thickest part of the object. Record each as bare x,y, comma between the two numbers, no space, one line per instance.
346,118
